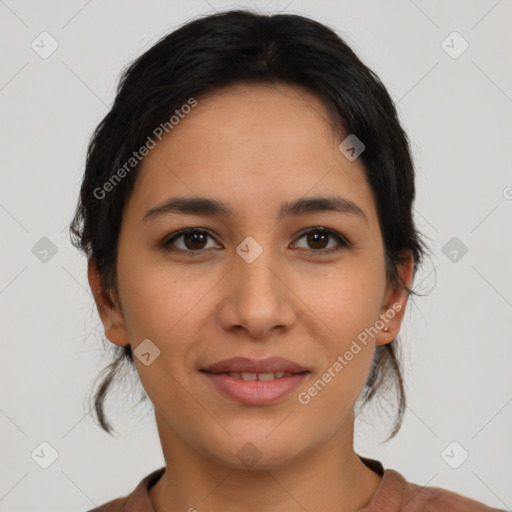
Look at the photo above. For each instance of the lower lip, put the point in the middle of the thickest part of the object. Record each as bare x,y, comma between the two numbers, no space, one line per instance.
255,392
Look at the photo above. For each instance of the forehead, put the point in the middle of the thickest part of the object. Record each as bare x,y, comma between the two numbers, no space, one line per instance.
253,146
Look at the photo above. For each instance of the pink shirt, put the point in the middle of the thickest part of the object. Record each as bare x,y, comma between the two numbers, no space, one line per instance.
394,494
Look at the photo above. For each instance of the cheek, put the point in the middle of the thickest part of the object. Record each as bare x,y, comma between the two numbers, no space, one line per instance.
347,310
345,301
158,299
167,311
330,398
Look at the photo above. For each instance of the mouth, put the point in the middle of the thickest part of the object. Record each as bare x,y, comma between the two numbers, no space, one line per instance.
248,376
247,365
255,388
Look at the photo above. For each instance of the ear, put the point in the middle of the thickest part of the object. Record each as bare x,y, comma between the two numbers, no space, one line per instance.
111,316
395,300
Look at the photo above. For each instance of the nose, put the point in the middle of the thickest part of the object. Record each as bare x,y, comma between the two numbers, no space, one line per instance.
258,298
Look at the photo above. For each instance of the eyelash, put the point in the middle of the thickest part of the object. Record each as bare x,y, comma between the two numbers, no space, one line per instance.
344,243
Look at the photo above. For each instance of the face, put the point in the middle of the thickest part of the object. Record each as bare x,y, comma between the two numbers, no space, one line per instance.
303,286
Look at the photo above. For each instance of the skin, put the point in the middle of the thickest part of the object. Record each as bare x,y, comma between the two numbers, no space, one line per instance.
253,146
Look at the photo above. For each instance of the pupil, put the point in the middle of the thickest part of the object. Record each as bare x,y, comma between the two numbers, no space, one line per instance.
314,238
195,237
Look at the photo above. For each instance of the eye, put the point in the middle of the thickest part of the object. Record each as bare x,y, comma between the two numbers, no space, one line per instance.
194,240
318,237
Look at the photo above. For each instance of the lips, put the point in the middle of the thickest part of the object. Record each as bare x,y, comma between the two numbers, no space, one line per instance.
257,376
257,391
245,365
256,381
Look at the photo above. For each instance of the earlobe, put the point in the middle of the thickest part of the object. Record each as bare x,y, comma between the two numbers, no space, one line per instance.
395,301
110,314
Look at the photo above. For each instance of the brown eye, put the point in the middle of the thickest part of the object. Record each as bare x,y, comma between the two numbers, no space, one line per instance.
318,240
192,240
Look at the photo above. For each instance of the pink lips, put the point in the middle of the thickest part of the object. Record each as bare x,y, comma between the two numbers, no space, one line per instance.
248,365
255,392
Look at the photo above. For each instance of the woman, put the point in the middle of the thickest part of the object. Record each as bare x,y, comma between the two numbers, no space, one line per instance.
246,211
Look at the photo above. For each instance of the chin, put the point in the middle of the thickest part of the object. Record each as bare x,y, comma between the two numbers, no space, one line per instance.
258,452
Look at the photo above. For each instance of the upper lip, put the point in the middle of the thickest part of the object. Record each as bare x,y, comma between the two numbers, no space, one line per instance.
248,365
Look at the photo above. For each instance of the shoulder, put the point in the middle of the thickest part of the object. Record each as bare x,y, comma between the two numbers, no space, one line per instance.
136,501
433,499
117,505
395,493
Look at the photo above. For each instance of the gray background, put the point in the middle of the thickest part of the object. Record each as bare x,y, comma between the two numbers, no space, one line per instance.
457,341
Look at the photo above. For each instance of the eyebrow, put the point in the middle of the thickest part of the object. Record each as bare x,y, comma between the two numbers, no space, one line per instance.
213,207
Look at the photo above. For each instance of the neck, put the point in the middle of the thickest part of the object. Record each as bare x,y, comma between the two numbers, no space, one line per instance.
331,477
